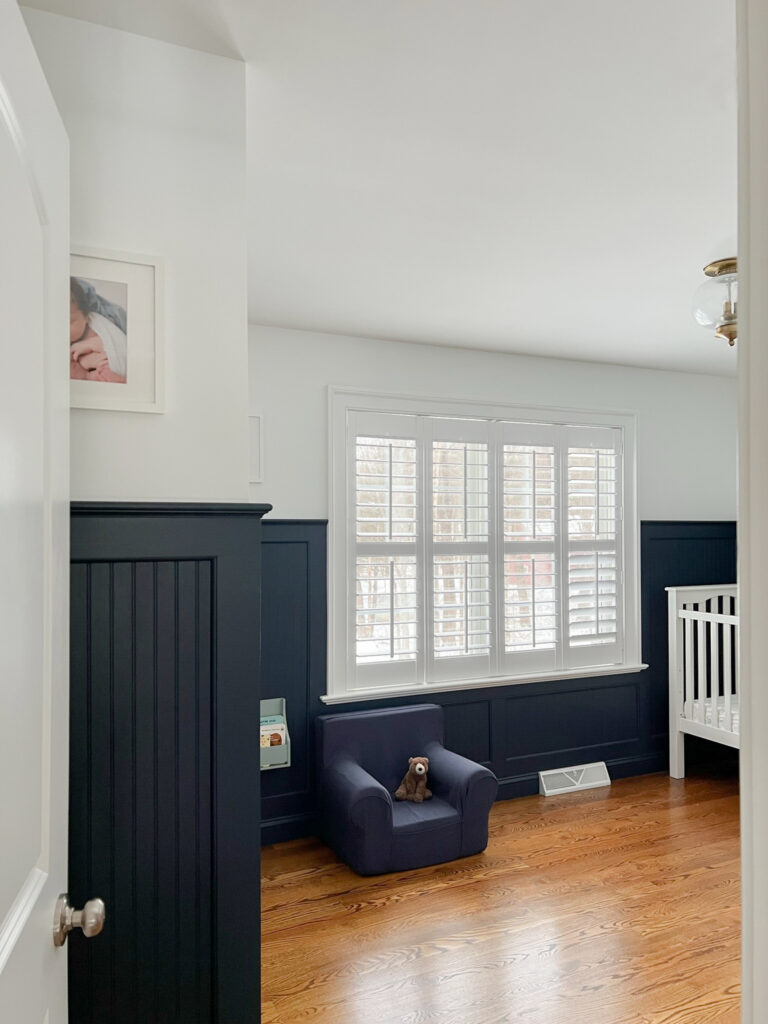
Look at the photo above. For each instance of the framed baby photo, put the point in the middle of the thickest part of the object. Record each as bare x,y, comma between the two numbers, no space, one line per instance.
115,339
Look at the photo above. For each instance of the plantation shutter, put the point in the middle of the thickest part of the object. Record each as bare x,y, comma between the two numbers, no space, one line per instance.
385,607
480,548
592,592
459,530
529,572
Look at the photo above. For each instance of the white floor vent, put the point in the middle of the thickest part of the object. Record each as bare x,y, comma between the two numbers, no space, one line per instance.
568,780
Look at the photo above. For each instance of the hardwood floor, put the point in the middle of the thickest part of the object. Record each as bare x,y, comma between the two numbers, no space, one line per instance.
613,906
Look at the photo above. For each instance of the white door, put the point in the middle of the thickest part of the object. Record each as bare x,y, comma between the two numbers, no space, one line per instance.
34,529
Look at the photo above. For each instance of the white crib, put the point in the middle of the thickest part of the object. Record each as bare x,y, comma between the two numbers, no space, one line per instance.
703,668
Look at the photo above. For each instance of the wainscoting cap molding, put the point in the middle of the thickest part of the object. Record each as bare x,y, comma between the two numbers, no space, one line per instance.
298,522
677,524
167,508
481,684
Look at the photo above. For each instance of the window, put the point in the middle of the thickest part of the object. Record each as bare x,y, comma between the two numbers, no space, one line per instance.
478,546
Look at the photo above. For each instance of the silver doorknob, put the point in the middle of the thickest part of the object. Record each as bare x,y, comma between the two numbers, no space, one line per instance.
91,919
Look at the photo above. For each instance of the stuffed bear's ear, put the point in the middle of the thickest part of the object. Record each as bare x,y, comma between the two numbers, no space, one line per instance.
410,760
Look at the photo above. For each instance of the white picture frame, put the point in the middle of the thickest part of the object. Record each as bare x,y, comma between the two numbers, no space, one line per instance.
131,284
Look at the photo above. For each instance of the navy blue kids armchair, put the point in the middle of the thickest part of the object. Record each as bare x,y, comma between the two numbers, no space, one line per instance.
362,758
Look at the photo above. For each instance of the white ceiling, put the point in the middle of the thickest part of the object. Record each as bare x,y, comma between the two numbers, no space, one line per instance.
199,24
546,178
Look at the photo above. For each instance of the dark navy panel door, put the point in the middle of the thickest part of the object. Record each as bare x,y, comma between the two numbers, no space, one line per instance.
164,803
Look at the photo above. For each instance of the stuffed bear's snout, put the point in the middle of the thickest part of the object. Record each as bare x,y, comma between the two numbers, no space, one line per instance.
420,769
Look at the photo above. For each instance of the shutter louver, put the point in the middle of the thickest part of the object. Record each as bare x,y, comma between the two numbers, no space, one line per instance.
460,491
530,519
529,492
530,602
385,477
461,608
386,580
593,555
592,597
386,613
592,493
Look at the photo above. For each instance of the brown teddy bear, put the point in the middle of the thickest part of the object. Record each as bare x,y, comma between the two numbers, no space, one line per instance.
414,784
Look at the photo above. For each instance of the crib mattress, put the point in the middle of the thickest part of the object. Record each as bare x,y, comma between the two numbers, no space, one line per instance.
714,713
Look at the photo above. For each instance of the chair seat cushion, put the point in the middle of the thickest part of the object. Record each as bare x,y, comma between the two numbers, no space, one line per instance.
408,816
423,834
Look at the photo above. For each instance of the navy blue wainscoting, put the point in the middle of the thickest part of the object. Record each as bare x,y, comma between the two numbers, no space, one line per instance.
293,663
679,554
164,767
516,730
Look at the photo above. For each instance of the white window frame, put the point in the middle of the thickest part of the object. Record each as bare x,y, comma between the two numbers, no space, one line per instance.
343,402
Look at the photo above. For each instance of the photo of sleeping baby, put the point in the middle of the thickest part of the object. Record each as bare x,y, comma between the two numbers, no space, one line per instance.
98,330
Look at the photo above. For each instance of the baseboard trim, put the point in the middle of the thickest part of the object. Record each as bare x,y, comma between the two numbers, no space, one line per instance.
527,784
291,826
300,826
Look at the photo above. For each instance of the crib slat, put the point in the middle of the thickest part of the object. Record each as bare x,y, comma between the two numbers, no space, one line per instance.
714,664
737,647
689,678
701,675
728,632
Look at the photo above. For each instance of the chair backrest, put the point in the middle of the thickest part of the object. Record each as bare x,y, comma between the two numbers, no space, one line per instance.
382,740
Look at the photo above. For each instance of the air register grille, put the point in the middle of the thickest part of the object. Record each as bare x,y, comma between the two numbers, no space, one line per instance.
569,780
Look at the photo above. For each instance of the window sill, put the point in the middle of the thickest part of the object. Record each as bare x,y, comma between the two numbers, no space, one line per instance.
381,693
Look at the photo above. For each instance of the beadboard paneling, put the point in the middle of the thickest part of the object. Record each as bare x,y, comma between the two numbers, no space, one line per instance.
141,759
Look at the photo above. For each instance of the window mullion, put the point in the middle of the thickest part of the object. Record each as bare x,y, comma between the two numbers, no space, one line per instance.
424,549
619,548
351,554
392,608
389,483
561,545
496,546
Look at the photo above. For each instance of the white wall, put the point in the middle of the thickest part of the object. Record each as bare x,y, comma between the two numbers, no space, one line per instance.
157,137
686,422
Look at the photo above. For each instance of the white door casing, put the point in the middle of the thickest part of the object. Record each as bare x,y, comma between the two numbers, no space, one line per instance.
34,530
753,498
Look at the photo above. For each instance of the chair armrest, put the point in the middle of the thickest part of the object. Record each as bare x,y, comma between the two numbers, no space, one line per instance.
350,789
452,776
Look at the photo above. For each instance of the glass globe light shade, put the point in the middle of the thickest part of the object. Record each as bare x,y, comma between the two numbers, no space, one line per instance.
715,301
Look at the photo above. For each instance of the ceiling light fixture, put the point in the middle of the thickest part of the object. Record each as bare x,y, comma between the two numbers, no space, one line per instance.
716,299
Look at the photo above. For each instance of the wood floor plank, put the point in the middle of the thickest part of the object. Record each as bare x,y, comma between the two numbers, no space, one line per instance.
613,906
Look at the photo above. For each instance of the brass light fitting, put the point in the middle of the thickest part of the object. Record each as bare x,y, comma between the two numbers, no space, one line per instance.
719,267
716,299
